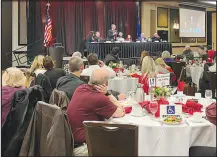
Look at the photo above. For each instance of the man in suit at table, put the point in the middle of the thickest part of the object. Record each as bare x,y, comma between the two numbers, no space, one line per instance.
156,37
142,37
97,37
112,33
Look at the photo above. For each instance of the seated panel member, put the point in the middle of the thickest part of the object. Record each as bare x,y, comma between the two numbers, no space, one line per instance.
120,37
156,37
142,37
97,37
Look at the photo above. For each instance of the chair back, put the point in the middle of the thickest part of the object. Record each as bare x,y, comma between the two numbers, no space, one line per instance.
85,78
111,139
182,76
213,83
60,99
177,68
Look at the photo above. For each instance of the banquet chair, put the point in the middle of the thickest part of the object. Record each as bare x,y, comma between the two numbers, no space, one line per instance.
111,139
213,83
177,68
85,78
202,151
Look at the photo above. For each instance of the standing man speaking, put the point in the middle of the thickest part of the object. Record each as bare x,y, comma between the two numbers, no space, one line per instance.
112,33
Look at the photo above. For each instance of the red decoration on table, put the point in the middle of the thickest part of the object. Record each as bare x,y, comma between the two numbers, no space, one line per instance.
135,75
190,107
181,85
118,69
128,109
145,104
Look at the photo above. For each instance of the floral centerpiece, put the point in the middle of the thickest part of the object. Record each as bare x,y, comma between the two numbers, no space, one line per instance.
116,67
162,92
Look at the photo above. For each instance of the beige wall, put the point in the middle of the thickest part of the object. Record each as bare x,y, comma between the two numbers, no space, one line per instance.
214,30
146,21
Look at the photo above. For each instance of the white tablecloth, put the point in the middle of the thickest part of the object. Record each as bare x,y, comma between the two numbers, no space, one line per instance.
123,85
195,72
157,139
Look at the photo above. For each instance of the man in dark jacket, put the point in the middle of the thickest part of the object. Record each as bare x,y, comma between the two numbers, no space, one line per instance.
112,33
70,82
113,56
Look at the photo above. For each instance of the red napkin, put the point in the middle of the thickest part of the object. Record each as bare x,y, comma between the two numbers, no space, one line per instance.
118,69
128,109
181,85
161,101
146,105
191,106
135,75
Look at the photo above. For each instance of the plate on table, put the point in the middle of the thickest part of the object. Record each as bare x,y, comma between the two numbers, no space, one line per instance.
172,120
201,120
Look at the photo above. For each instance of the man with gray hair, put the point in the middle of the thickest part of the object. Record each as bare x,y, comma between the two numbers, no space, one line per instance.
91,102
112,33
77,53
70,82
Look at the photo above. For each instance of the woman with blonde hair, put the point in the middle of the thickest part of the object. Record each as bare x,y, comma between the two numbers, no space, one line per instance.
161,62
13,80
35,69
148,71
166,56
143,54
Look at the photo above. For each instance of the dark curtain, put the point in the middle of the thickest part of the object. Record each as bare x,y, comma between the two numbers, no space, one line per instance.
73,20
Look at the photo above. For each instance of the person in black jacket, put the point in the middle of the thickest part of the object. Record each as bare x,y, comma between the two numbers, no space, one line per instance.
113,56
52,73
90,37
112,33
70,82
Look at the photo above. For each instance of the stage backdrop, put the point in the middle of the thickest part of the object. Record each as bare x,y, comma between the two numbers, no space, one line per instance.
73,20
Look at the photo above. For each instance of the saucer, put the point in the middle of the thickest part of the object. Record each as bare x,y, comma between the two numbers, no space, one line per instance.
196,121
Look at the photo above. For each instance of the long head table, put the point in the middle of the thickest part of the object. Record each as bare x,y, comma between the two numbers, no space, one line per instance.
128,50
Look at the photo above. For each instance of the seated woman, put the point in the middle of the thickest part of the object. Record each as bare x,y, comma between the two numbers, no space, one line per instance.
143,54
211,53
128,38
52,73
90,37
13,80
187,52
166,56
161,62
148,71
113,56
35,69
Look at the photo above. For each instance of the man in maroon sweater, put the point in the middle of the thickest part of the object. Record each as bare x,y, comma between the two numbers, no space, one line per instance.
91,102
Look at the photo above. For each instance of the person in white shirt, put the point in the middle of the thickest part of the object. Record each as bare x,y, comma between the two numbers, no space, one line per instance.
213,67
94,63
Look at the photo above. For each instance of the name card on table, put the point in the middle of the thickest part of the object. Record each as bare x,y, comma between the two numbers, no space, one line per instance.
168,110
163,80
152,82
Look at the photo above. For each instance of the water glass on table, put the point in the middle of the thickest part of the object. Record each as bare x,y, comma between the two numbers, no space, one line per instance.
208,95
153,107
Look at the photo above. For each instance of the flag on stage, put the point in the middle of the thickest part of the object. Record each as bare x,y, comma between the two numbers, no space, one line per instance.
138,28
48,29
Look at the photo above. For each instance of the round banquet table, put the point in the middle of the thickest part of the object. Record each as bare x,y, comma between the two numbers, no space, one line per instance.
195,72
123,85
158,139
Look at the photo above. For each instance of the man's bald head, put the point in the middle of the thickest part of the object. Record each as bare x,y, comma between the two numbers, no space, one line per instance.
99,76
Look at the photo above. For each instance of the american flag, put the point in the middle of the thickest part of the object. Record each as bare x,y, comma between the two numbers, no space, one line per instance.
48,29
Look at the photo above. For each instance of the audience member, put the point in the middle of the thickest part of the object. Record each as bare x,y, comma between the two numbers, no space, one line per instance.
52,73
13,80
143,54
166,56
91,102
200,51
161,62
70,82
77,53
160,69
211,53
187,52
94,63
148,71
35,69
113,56
120,37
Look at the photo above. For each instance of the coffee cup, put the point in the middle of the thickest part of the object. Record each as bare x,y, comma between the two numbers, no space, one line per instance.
197,95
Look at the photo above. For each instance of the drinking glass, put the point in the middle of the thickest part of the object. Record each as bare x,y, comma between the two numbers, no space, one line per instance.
153,107
208,94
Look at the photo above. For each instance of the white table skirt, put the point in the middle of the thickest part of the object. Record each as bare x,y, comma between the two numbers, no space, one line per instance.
157,139
123,85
